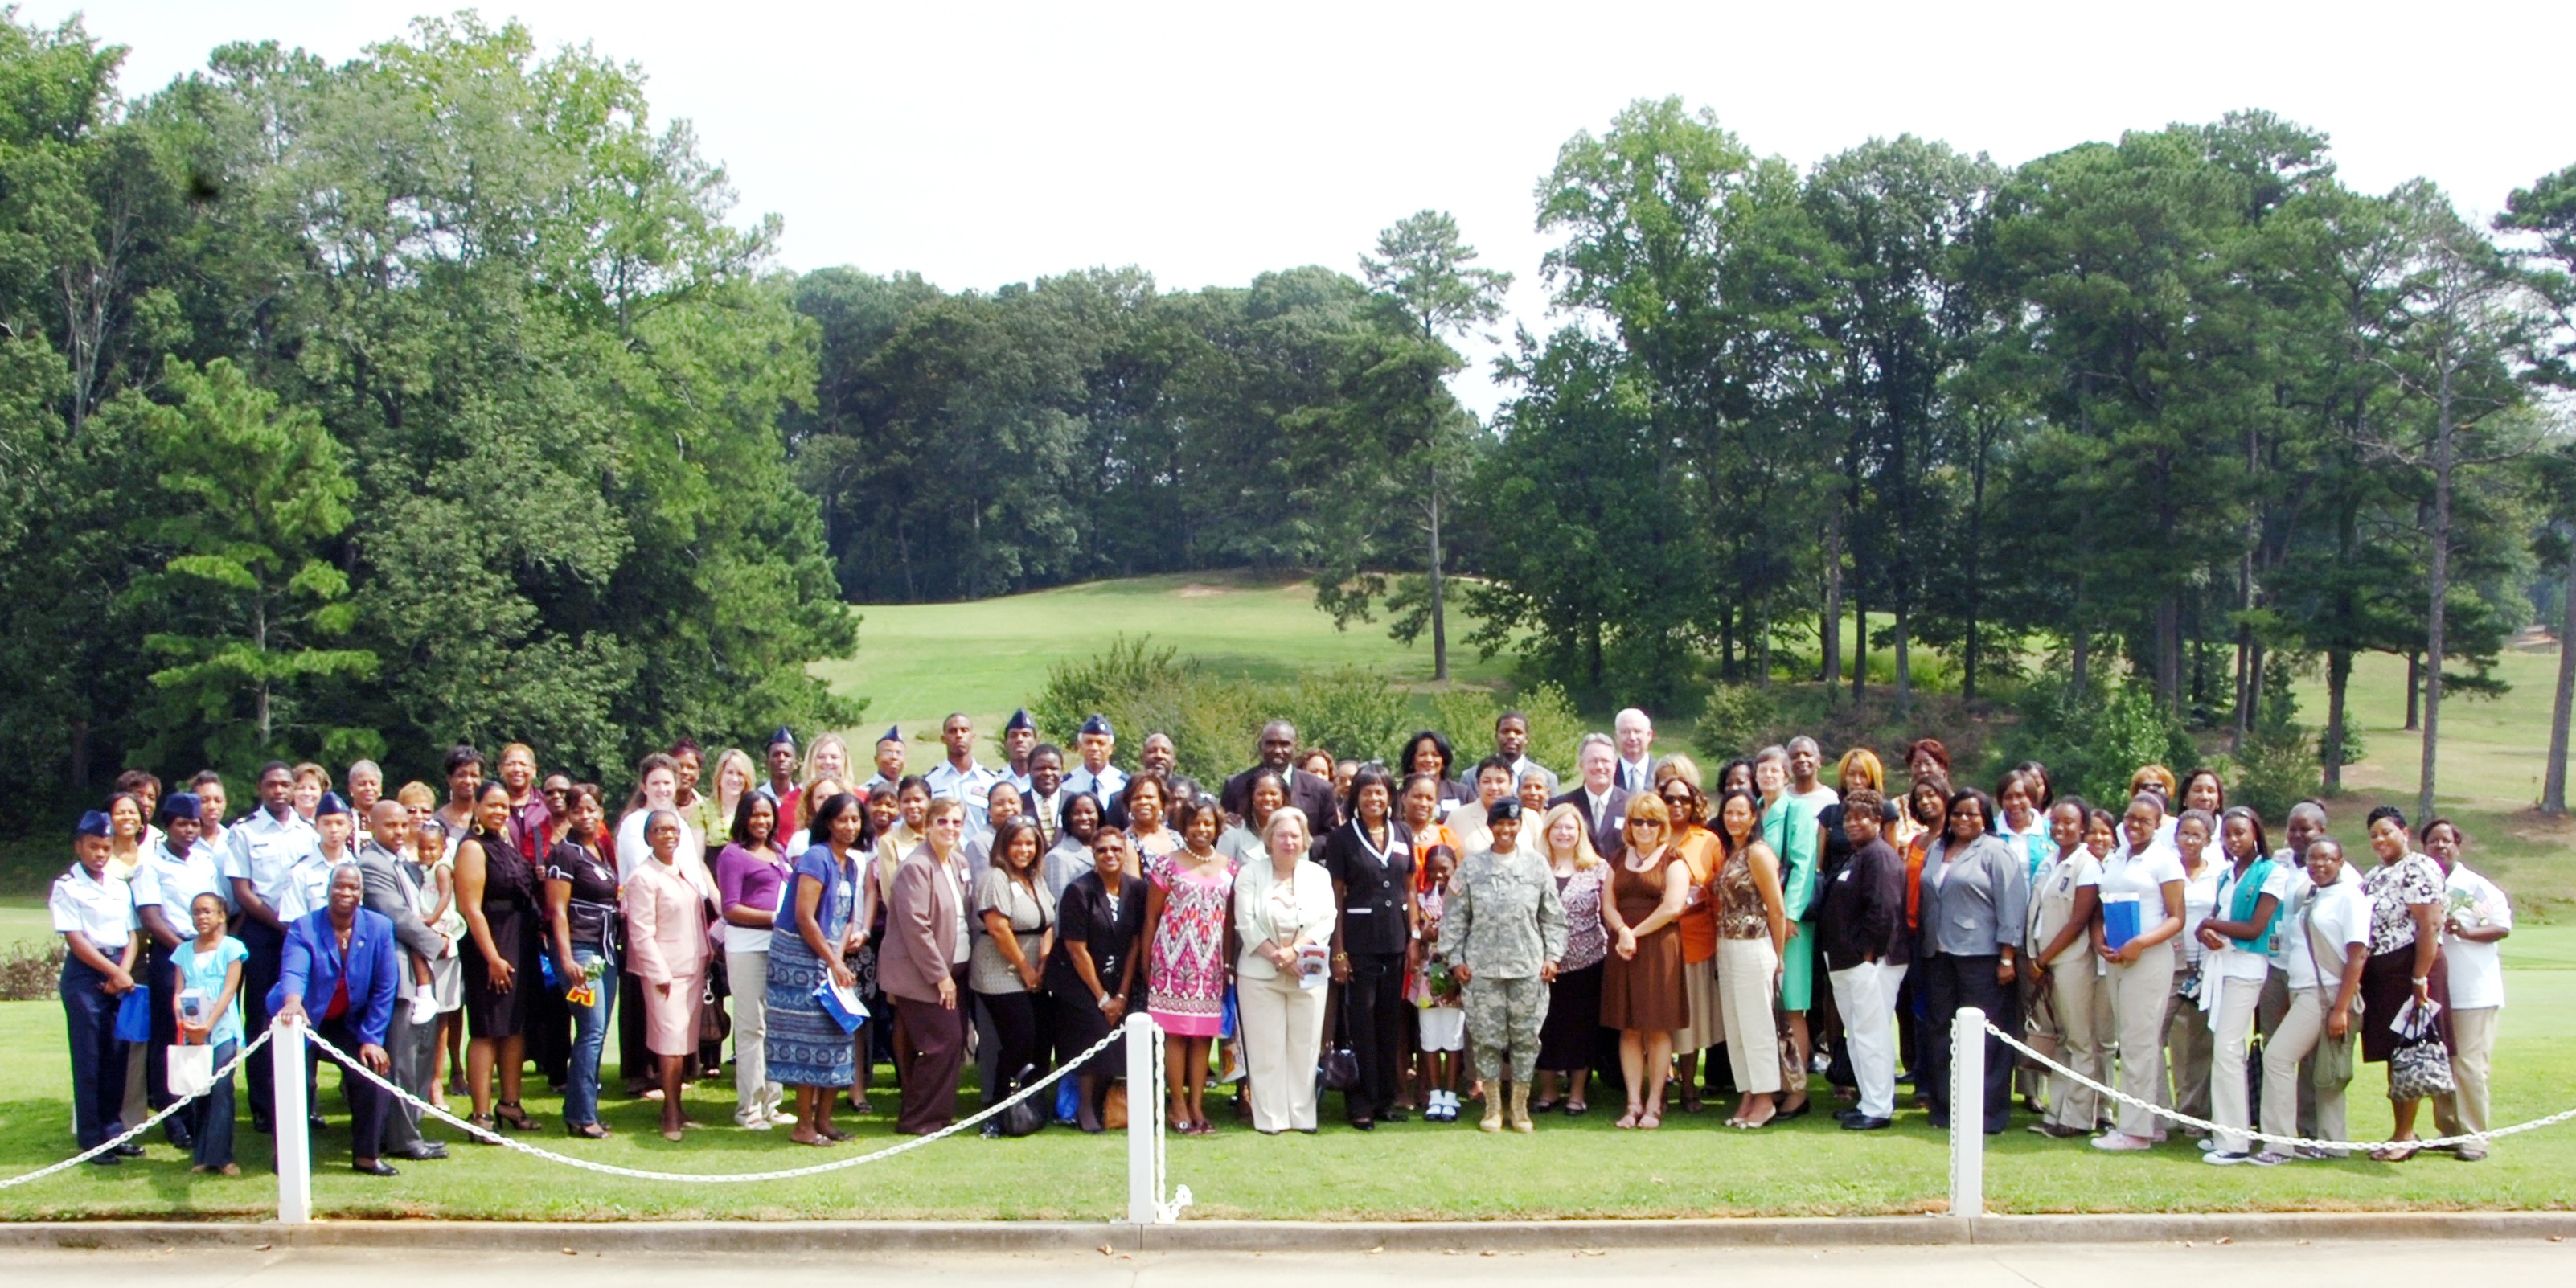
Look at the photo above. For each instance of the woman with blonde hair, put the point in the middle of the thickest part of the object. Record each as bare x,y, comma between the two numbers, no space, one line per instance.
1283,915
1641,992
829,757
717,807
1566,1041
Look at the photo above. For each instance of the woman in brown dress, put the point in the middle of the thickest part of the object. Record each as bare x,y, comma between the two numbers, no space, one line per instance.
1641,992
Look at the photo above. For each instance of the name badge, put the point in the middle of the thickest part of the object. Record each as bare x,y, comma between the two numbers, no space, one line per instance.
1358,910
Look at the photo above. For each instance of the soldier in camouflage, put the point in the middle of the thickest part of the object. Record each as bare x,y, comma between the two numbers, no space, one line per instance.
1502,937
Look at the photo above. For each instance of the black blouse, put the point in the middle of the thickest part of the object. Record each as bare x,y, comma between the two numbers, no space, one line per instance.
1084,916
593,912
1375,889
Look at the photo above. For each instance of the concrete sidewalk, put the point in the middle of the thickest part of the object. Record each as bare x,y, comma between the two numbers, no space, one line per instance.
682,1238
788,1263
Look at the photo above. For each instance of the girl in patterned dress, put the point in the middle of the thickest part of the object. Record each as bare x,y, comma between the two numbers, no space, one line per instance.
1191,895
1430,987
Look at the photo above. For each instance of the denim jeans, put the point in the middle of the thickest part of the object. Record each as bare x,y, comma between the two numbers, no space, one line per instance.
212,1116
590,1031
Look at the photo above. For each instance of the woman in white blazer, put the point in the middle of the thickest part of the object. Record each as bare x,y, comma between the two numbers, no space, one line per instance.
1282,904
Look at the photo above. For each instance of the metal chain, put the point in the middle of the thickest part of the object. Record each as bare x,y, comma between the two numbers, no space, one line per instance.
2286,1142
494,1137
143,1126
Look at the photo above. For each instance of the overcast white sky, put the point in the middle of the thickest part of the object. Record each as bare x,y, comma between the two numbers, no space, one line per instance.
988,143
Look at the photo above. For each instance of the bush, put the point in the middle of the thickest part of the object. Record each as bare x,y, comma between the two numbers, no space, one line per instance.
2093,741
2278,770
1737,720
30,972
1354,713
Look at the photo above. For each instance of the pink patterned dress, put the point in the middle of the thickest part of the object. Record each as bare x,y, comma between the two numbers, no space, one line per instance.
1185,965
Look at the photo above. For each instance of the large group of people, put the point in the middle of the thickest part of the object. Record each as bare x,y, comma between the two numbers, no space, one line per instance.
1403,937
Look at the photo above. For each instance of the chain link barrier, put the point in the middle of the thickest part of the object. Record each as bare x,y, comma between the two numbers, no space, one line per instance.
230,1066
2286,1142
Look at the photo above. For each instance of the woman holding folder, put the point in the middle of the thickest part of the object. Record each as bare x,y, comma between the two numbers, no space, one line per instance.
823,919
2141,886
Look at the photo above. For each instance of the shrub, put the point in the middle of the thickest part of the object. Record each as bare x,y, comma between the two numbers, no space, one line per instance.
1356,714
30,971
2278,770
2092,741
1737,720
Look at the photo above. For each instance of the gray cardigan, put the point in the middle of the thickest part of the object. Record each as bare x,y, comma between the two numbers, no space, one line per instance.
1980,905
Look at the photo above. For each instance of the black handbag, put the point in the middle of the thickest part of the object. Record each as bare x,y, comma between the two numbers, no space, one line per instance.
1339,1070
1024,1118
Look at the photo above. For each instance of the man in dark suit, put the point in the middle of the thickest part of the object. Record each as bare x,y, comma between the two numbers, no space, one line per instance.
1307,792
342,963
1604,803
393,890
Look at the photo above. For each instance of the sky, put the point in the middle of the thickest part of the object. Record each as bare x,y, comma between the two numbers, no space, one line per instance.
980,144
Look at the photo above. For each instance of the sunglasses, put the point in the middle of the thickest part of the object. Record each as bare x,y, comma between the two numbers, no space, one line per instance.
1644,822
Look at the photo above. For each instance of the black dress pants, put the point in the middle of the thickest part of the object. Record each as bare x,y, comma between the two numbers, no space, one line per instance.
1957,981
1375,1003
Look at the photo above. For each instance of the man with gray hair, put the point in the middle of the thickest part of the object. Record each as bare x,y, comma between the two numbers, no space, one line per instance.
1636,735
1603,801
392,888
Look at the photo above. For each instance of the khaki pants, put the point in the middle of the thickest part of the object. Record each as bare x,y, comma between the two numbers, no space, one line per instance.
2188,1041
1282,1033
2139,994
2473,1035
2286,1062
752,1089
2083,1001
2268,1014
1744,973
2233,1028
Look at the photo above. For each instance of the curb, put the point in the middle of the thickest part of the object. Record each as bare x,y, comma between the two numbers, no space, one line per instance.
735,1237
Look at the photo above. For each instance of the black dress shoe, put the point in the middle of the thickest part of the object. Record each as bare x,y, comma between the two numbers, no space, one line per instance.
1364,1124
1863,1122
421,1151
176,1132
108,1159
377,1168
128,1150
1396,1114
1801,1111
317,1124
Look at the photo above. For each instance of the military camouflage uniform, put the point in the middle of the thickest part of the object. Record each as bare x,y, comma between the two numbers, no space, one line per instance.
1504,922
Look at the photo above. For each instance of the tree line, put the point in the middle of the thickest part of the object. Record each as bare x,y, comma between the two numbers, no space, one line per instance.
359,408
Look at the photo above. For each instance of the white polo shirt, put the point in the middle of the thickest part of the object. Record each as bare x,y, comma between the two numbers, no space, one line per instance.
2234,962
98,909
2336,916
2477,970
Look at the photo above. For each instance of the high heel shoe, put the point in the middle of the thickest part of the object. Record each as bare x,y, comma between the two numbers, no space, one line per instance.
510,1115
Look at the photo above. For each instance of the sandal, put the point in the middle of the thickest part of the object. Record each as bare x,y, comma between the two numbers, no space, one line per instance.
1627,1120
1575,1108
2396,1152
1650,1122
587,1131
484,1122
513,1117
833,1133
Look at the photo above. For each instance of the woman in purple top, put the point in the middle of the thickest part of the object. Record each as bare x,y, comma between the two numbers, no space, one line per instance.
751,873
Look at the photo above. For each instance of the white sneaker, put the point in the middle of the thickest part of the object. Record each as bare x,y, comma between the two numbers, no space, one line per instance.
2225,1158
2121,1142
2205,1144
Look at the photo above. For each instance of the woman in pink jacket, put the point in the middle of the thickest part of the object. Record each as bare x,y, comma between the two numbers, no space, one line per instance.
666,937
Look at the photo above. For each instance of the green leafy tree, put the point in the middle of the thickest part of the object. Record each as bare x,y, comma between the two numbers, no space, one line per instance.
253,497
1398,435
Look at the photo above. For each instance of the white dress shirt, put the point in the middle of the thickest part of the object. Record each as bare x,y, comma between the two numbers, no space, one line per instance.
98,909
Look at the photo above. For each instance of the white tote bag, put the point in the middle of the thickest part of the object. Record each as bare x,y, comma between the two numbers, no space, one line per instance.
192,1070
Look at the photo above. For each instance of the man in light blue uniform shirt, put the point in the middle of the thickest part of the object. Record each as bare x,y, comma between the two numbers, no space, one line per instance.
1095,776
270,853
958,777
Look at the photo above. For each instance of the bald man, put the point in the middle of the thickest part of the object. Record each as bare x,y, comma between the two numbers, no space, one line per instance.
393,886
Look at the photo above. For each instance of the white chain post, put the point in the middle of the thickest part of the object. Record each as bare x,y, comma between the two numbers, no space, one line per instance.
294,1146
1968,1113
1144,1115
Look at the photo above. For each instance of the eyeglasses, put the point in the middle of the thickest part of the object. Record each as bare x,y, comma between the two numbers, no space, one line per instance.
1643,822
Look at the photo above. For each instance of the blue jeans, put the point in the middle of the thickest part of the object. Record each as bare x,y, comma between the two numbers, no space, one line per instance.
214,1111
590,1032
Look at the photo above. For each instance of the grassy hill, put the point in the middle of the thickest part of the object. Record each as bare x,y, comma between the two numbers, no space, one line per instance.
918,662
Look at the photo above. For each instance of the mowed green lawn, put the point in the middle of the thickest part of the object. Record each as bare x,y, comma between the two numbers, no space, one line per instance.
1412,1171
2492,756
918,662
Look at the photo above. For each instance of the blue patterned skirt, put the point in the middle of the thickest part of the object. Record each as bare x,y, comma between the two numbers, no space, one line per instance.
806,1047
